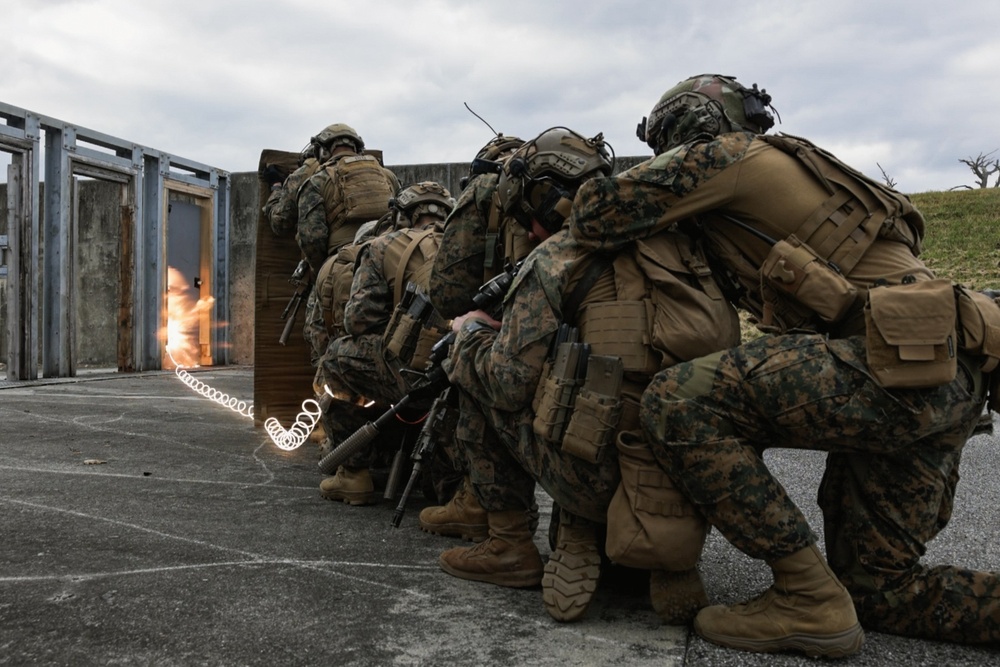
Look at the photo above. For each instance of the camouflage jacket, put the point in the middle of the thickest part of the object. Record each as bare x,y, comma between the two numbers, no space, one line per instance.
459,263
468,257
282,206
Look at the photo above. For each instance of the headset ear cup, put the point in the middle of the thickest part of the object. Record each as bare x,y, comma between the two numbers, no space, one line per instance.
517,166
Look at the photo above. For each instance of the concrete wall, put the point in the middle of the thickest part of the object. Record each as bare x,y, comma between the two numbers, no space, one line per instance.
99,256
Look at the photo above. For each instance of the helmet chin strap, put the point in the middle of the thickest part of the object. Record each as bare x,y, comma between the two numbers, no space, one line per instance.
554,209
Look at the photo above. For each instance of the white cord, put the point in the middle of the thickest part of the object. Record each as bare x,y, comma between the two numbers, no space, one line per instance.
288,440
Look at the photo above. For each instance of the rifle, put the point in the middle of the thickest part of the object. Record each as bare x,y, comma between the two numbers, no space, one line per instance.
433,382
425,447
302,287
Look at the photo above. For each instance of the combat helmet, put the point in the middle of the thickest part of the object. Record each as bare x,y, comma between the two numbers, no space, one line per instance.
424,198
491,157
538,182
339,134
703,107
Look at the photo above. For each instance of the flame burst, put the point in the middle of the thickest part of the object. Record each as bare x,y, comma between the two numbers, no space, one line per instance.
184,315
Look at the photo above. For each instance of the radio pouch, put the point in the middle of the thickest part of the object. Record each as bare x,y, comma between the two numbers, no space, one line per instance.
794,269
651,525
910,334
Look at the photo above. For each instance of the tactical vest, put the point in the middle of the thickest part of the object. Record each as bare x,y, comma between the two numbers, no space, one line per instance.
659,305
333,286
834,238
356,191
414,326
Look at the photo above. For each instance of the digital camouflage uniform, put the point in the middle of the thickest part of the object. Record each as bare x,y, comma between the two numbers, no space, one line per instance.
357,358
498,373
467,259
323,324
892,467
282,207
889,482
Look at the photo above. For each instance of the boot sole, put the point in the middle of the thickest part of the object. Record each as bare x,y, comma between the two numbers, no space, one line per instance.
836,645
463,531
524,579
352,498
570,581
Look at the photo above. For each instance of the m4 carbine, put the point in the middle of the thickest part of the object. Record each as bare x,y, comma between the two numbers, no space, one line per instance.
434,380
302,286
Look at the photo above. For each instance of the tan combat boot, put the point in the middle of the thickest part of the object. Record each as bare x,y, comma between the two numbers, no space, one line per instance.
677,596
462,517
573,569
508,557
352,485
806,610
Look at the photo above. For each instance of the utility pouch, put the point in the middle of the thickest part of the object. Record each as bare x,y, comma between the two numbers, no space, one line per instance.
793,268
910,334
596,410
558,391
651,525
979,324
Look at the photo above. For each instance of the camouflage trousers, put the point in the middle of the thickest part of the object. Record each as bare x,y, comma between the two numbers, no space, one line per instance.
505,460
314,329
890,473
356,363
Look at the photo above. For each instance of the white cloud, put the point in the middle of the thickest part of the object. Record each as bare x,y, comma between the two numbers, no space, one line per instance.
904,84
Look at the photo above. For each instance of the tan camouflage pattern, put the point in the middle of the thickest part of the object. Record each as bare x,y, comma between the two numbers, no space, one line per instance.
282,206
313,230
739,175
889,483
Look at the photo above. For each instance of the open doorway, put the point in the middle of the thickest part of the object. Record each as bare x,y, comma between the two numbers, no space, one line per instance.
189,303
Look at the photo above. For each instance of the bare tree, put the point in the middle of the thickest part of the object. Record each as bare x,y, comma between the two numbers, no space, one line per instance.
983,168
889,180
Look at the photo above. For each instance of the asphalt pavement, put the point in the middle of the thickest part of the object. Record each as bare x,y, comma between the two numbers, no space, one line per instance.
142,523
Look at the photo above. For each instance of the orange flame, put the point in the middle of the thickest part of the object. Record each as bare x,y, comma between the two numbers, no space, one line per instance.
183,322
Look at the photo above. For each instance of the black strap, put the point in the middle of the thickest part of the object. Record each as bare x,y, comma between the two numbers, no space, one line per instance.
599,263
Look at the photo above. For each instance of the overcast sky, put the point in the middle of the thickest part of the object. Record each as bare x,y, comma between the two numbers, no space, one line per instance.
909,85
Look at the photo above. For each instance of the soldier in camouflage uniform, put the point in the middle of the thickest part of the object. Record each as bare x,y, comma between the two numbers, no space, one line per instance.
282,206
324,321
894,453
472,249
498,369
321,229
358,362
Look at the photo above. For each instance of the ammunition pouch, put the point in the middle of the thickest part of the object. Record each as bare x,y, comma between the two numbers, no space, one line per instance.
413,329
592,425
651,525
553,404
911,334
794,269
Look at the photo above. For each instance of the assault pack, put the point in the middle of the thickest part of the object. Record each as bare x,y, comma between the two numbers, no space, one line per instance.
357,191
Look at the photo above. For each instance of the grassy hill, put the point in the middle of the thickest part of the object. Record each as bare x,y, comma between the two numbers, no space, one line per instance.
963,235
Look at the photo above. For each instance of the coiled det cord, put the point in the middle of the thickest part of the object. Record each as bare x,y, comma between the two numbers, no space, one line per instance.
288,439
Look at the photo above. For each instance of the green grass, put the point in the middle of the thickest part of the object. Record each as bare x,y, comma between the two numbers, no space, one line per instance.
962,241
